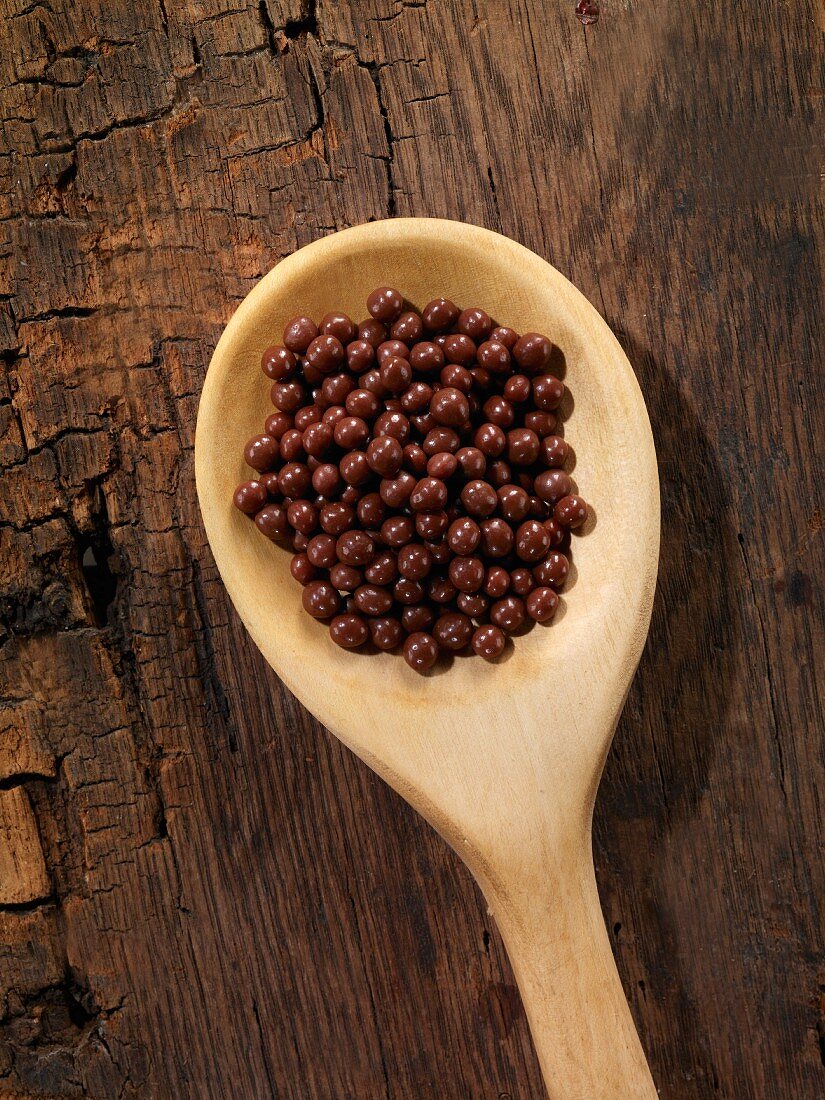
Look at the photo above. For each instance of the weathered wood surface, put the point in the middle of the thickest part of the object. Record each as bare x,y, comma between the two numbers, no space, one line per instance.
203,894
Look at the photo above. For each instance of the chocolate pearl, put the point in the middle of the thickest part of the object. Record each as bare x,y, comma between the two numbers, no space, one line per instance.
277,423
498,410
517,388
570,512
489,642
371,381
309,414
385,304
320,600
552,485
270,483
532,352
287,396
321,551
372,332
479,498
467,574
429,495
554,452
457,377
351,431
490,440
420,651
391,349
496,581
431,525
271,521
261,452
294,480
278,363
513,502
442,465
336,518
499,473
355,548
384,456
522,446
440,551
463,536
496,538
325,353
472,462
408,592
386,633
360,356
317,439
394,424
439,314
506,336
348,631
472,603
395,492
556,532
371,511
482,378
409,327
415,460
459,349
302,569
441,590
363,403
326,480
397,531
335,389
452,631
299,334
493,357
415,561
303,516
424,422
355,469
553,570
450,407
542,423
292,445
426,357
340,326
532,541
383,569
346,577
509,614
522,582
372,600
474,323
547,392
396,374
416,397
440,441
250,497
542,604
418,616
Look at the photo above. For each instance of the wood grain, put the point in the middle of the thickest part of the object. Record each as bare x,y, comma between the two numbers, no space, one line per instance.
236,906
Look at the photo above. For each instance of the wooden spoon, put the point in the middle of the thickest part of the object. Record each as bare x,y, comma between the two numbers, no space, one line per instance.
503,760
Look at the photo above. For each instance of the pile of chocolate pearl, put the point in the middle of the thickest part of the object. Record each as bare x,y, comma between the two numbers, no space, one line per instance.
413,466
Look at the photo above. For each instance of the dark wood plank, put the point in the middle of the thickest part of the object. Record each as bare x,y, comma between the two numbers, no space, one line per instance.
235,905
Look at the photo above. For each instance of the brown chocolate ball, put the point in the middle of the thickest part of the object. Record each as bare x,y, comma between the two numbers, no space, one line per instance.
383,569
397,531
479,498
496,538
463,536
299,334
396,374
278,363
409,328
395,492
450,407
262,452
351,431
386,633
250,497
452,631
355,548
420,651
364,404
439,315
321,551
467,574
414,561
346,578
294,480
513,502
460,349
474,323
518,388
552,571
541,604
271,521
431,525
429,495
496,582
385,304
340,326
555,452
490,440
287,396
521,581
371,511
532,352
494,357
349,631
370,599
509,613
373,332
320,600
489,642
325,353
355,469
303,516
472,461
426,357
302,569
327,480
532,541
360,356
571,511
522,447
552,485
548,392
418,616
473,604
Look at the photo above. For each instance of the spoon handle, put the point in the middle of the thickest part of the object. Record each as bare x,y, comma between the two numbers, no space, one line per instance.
581,1025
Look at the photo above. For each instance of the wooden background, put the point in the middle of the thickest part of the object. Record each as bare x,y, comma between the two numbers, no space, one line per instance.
201,893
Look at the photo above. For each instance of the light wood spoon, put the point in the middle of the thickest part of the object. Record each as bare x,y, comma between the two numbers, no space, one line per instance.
503,760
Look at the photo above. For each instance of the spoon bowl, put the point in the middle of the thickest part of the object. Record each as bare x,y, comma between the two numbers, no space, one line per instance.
503,760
